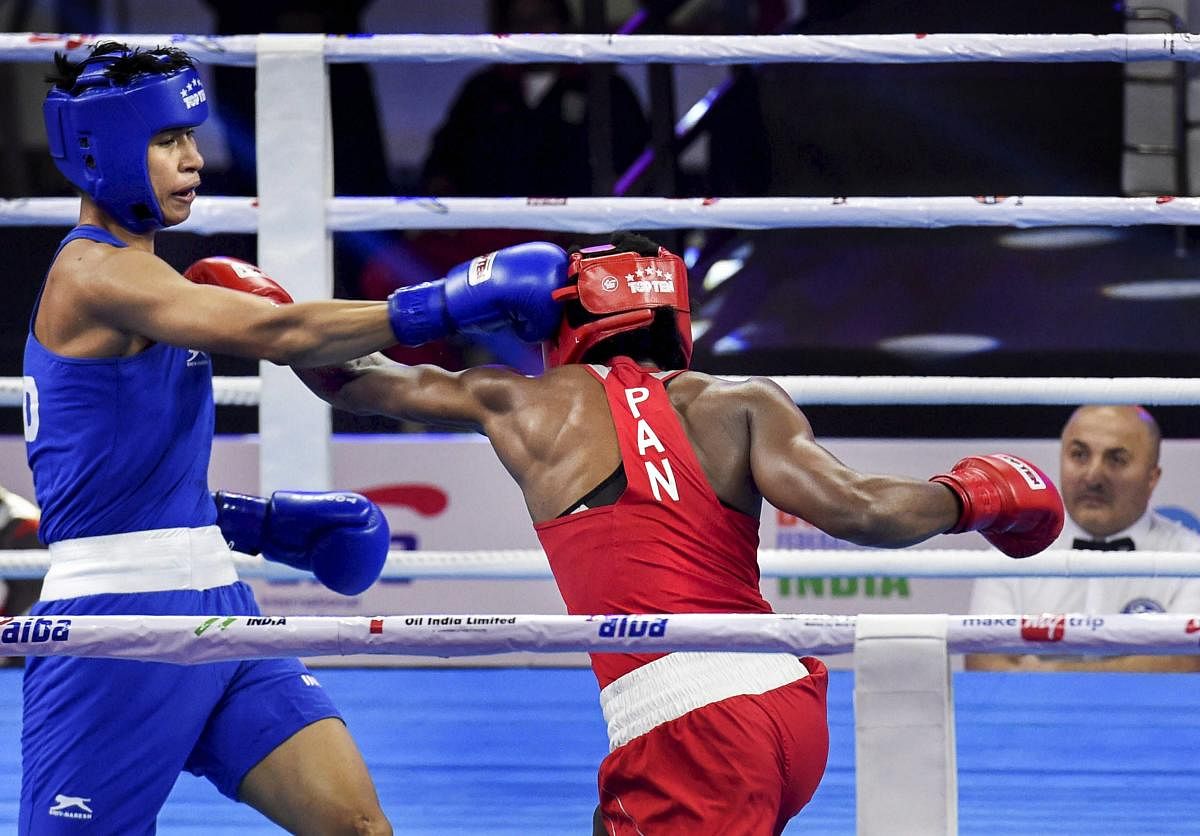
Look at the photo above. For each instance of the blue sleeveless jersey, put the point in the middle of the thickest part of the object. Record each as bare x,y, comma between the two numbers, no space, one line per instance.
118,444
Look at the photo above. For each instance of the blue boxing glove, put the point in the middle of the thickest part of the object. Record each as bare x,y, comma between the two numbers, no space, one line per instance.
508,288
341,537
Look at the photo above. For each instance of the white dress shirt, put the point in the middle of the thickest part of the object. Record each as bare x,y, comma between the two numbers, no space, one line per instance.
1037,595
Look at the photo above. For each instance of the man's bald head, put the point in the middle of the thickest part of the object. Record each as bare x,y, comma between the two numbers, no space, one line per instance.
1109,466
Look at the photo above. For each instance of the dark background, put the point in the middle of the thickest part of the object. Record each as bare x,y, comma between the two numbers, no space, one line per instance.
822,301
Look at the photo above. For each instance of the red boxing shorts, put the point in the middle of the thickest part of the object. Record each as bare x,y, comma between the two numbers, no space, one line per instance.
742,766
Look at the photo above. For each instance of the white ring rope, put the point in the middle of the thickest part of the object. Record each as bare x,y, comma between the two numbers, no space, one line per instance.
196,639
872,390
227,391
242,50
596,215
229,214
531,564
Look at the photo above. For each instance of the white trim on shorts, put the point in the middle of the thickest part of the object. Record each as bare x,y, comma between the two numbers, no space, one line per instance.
139,561
677,683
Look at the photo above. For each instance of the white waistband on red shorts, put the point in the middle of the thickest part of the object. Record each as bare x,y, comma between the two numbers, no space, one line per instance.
677,683
139,561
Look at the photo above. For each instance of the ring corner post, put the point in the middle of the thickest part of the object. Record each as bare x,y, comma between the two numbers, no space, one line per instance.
295,182
905,764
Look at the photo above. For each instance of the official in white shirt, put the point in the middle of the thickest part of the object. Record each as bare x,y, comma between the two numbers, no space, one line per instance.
1109,469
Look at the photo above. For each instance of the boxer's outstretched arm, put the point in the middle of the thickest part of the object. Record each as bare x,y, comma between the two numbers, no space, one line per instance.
375,385
797,475
1008,500
139,293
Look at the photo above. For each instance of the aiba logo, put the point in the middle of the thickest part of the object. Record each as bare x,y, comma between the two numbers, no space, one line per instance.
1046,628
68,41
615,627
34,630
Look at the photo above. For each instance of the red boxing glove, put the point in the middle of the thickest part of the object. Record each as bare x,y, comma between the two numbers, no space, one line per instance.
235,274
1006,499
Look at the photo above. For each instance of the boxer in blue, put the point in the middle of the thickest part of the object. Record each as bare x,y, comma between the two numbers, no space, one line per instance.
118,425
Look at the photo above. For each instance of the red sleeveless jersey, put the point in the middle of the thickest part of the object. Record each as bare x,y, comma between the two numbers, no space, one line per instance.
667,545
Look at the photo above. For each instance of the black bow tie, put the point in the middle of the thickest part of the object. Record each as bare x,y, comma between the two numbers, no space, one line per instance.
1121,544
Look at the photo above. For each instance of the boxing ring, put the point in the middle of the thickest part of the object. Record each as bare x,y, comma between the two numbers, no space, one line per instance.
514,751
936,751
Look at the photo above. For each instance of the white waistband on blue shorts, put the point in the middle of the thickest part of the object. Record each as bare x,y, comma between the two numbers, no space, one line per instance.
677,683
139,561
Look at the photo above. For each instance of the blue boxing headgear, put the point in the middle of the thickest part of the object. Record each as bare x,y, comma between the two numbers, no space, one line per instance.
99,129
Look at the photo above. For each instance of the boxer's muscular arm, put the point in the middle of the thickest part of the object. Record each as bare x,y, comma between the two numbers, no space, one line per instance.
798,476
375,385
136,292
1008,500
528,420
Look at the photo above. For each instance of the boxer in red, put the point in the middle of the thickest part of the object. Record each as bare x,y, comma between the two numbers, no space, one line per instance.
645,482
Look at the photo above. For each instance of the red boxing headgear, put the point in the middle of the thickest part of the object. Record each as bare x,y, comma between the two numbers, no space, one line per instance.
624,290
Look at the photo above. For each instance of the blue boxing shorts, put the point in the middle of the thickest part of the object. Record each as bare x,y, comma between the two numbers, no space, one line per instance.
104,740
